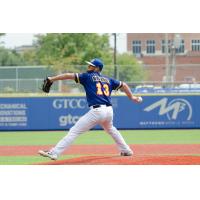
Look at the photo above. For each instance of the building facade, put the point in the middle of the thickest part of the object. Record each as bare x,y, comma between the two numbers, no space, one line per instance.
161,51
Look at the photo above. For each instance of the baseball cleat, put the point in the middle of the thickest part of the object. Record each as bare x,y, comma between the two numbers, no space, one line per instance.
127,153
48,154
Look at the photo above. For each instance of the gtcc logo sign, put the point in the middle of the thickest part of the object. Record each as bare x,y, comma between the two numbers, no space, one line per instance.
172,109
68,120
69,103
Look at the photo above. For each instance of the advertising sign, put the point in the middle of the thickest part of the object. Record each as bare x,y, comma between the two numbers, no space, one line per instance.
61,113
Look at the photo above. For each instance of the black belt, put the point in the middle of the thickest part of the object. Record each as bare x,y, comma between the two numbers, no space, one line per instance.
97,106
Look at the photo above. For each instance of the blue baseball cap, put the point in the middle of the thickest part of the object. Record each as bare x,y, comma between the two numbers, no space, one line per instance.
96,62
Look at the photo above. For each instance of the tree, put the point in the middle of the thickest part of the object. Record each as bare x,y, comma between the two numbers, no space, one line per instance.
30,57
67,51
1,34
64,49
9,58
129,68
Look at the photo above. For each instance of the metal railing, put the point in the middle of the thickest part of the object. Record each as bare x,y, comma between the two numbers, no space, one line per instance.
28,79
20,85
34,86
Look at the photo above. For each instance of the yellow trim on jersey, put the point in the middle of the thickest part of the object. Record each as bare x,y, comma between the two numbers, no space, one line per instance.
77,77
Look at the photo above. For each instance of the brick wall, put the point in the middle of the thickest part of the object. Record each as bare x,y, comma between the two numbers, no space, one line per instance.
155,64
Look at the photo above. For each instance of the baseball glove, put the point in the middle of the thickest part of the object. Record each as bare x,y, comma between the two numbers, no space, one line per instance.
46,86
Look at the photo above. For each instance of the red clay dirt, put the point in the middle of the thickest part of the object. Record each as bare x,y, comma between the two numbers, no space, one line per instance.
139,149
144,154
132,160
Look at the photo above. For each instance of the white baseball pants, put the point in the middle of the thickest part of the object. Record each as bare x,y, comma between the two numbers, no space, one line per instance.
103,116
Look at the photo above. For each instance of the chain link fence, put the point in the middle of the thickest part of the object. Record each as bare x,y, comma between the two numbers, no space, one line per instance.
149,79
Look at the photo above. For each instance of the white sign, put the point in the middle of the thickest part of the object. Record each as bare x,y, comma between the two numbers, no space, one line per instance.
13,114
171,109
69,103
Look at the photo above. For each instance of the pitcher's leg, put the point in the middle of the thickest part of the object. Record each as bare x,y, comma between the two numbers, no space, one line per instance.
121,144
84,124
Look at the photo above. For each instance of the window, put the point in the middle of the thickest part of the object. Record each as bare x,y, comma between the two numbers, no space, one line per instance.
163,46
151,46
181,48
136,47
195,45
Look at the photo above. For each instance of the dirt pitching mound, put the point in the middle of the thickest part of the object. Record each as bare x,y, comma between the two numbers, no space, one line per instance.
132,160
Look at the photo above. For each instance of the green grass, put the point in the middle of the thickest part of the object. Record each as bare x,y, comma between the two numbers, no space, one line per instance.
100,137
27,160
92,137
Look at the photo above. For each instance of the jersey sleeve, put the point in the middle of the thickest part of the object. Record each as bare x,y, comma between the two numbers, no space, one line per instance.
115,84
80,78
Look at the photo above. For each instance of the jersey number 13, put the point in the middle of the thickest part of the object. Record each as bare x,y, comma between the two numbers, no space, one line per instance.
103,89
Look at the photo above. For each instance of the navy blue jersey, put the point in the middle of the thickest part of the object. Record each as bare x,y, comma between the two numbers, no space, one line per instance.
98,88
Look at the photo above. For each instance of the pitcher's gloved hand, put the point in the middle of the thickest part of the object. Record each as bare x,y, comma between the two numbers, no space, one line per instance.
46,86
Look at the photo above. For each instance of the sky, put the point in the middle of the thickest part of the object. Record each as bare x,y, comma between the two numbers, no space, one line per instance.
12,40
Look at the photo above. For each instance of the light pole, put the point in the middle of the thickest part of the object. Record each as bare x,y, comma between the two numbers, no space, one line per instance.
115,56
171,66
166,47
175,46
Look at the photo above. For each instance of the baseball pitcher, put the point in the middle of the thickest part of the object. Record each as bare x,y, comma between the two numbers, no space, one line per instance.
98,90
